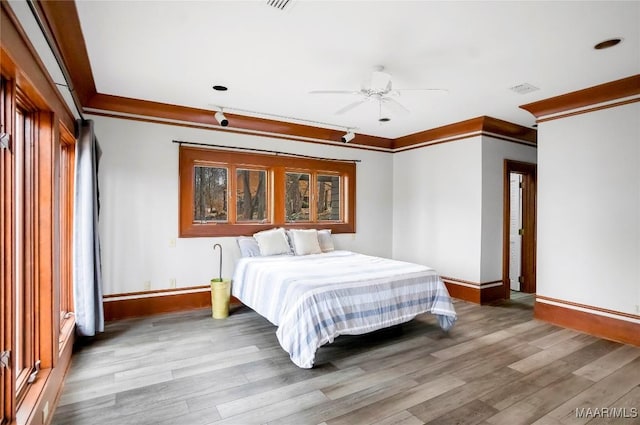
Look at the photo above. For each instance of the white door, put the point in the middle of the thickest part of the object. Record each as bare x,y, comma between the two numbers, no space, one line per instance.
515,224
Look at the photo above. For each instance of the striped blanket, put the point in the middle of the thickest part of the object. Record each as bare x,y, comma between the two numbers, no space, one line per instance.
314,298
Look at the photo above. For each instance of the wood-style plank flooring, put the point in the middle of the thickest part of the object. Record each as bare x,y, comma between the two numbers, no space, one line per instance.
497,366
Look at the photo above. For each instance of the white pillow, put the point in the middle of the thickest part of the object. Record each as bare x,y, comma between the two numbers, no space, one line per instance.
305,241
325,241
272,242
248,246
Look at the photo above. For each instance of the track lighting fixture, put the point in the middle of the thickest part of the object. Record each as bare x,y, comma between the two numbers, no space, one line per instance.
222,120
348,137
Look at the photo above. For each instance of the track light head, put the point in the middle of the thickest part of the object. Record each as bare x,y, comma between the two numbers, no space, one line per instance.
348,137
222,120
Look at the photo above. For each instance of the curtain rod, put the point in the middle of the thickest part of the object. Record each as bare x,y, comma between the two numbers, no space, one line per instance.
181,142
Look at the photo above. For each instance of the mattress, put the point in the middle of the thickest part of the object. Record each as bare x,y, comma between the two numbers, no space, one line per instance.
314,298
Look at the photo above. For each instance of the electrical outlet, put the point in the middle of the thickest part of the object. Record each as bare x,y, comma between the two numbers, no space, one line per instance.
147,285
172,283
172,243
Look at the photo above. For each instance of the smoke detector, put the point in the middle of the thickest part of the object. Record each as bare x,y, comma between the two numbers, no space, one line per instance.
524,88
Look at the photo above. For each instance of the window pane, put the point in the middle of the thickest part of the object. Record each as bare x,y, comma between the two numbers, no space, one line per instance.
19,231
65,270
297,197
251,199
25,249
328,197
210,194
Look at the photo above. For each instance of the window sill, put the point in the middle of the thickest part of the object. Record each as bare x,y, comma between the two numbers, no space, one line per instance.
41,398
26,413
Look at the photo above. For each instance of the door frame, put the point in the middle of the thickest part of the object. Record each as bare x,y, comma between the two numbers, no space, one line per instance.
529,239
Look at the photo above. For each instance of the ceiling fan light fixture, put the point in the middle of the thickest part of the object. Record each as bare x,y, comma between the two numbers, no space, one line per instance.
222,120
376,87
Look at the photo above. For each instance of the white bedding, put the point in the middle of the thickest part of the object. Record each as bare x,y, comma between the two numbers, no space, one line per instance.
314,298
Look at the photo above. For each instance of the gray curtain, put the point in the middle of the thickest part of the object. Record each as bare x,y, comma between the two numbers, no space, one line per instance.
87,274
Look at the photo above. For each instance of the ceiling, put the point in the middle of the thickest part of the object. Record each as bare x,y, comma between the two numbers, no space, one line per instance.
270,59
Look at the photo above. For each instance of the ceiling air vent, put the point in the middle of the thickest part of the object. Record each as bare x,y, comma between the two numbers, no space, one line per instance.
279,4
524,88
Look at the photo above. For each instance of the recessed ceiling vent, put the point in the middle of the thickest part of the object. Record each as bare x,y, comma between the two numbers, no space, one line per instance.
524,88
279,4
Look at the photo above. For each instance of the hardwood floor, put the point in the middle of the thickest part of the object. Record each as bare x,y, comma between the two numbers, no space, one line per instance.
522,298
496,366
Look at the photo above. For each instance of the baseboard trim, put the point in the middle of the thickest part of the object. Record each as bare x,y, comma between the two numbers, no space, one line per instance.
603,323
479,293
140,304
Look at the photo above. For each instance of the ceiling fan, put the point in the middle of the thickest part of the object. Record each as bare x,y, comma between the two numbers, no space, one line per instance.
376,87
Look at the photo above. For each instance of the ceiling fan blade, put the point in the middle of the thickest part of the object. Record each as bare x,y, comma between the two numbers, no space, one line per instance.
334,92
350,107
394,105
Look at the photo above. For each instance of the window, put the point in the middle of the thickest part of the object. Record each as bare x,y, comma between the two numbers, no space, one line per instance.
328,196
6,252
24,229
266,191
297,197
31,231
67,170
210,194
251,195
33,209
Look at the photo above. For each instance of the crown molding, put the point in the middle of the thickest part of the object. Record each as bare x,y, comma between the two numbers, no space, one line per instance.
483,125
102,104
607,92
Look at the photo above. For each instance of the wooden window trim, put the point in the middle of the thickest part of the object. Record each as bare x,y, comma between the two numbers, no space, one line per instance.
276,166
7,272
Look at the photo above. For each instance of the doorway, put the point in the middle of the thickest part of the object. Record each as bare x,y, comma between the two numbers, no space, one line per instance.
519,228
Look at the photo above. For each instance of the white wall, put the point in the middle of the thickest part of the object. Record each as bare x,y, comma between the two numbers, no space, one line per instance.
139,204
494,152
448,206
437,204
589,208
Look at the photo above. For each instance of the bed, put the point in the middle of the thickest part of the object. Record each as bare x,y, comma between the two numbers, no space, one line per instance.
314,298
